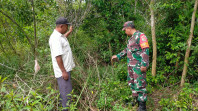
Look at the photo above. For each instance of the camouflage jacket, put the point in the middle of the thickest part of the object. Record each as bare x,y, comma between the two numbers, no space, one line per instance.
137,51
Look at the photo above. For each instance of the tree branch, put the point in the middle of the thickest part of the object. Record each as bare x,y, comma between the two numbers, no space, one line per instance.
10,45
32,46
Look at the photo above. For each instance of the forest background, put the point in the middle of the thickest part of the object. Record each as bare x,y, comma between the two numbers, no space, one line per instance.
98,84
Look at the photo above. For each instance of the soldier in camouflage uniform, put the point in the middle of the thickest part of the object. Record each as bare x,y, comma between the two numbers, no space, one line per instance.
137,52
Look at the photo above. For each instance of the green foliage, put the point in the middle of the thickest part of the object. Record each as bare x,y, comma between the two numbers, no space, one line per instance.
104,25
121,69
104,101
11,99
185,100
20,10
172,31
112,91
82,44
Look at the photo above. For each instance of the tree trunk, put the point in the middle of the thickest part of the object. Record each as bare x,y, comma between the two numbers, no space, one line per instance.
135,6
153,38
188,45
35,38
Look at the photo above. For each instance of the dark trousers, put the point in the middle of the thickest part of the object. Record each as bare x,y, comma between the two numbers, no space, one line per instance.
65,88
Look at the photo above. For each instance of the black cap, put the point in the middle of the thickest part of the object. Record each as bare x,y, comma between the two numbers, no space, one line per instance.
62,20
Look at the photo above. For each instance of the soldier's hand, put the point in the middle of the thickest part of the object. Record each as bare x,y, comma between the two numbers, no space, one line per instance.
114,57
143,69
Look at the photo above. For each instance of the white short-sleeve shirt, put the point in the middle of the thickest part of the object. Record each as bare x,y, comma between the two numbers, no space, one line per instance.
59,45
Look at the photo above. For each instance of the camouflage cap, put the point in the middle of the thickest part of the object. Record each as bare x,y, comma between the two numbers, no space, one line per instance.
128,24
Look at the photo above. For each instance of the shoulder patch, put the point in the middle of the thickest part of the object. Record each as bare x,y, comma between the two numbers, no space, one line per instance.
143,41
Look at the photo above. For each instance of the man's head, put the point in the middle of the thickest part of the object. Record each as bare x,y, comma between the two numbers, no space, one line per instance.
62,25
129,28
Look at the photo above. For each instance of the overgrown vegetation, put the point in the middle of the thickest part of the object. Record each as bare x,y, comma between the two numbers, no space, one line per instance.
97,83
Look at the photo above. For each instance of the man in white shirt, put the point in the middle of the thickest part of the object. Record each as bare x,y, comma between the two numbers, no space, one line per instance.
62,58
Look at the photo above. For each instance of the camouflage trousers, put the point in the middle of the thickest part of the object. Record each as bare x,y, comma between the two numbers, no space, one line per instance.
137,83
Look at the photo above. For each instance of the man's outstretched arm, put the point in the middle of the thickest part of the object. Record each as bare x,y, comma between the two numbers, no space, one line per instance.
69,32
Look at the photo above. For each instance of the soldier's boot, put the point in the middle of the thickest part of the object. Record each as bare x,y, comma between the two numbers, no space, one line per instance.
142,106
